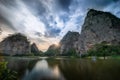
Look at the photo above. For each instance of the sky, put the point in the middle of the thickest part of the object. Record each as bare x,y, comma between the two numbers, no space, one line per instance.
45,22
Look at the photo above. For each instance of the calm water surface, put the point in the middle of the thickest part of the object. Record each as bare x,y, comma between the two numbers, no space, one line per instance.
65,69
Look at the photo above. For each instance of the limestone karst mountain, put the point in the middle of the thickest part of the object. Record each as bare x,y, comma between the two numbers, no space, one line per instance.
99,27
69,43
17,44
67,46
35,50
53,50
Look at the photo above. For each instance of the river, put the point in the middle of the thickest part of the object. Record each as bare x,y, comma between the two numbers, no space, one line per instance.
64,68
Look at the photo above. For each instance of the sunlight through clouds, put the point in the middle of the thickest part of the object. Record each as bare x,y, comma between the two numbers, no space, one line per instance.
45,22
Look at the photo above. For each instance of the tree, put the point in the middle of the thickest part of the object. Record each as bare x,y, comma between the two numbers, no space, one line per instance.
104,50
70,52
6,74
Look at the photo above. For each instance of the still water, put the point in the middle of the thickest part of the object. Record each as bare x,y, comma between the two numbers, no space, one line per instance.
65,69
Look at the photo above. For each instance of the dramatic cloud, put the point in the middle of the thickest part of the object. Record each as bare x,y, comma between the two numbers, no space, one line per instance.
47,21
114,8
64,4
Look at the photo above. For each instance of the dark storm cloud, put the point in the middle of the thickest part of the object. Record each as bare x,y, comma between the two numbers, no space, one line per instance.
57,15
96,4
36,7
3,15
118,13
5,21
42,20
8,3
42,11
116,0
65,4
52,32
114,8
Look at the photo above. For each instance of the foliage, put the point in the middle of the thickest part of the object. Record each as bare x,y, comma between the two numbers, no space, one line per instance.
6,74
28,54
71,52
52,52
18,37
56,52
40,53
104,50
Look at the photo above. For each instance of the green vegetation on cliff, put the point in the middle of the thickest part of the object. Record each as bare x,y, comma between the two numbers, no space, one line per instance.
104,50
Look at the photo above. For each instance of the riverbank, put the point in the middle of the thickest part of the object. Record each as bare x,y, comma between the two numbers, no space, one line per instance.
60,57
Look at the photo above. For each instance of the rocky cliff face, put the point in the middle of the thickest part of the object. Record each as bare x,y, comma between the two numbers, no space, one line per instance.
53,50
35,50
53,47
69,42
99,27
16,44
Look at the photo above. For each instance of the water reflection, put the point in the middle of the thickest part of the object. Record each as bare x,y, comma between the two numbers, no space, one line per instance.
71,69
42,71
90,70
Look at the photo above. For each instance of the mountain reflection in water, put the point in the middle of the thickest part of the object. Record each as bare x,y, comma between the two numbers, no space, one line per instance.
42,71
65,68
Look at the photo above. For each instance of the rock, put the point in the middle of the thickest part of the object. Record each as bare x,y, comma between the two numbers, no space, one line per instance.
16,44
53,50
53,47
35,50
99,27
69,42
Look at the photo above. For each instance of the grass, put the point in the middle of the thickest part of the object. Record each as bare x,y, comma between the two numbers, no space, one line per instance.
70,57
107,57
115,57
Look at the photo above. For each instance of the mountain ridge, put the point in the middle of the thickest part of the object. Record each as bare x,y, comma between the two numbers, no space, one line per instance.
98,27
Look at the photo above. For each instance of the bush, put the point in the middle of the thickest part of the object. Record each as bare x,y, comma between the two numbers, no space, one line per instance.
52,52
28,54
104,50
71,52
6,74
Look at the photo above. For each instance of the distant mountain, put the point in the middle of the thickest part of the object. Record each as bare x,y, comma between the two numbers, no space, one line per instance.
67,46
35,50
53,50
17,44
